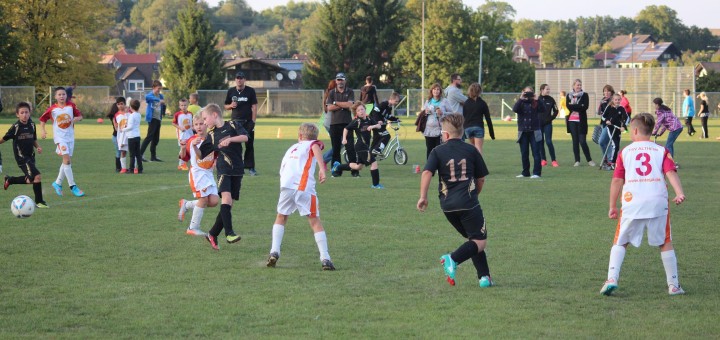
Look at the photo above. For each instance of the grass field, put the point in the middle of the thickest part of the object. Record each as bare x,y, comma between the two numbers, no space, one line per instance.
117,263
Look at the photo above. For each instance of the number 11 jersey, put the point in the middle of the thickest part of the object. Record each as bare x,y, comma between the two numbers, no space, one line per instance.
458,165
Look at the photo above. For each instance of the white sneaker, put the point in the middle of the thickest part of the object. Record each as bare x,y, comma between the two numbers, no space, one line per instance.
591,163
672,290
195,232
608,287
521,176
534,176
183,210
576,164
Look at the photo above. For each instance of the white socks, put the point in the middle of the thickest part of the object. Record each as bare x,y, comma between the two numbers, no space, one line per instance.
670,263
617,255
196,216
61,174
123,162
190,204
321,241
65,172
278,232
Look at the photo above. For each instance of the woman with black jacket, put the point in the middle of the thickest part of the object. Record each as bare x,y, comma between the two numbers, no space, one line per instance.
549,114
615,120
476,112
528,111
576,122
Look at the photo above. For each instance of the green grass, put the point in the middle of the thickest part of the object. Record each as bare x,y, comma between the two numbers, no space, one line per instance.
117,263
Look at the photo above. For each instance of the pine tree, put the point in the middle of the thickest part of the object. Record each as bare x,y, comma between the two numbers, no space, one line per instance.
190,61
9,53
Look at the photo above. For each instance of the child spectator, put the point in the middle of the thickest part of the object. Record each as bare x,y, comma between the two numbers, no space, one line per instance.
202,183
639,177
183,121
194,107
225,139
111,117
121,122
461,173
133,137
297,192
361,126
64,116
615,120
24,136
383,114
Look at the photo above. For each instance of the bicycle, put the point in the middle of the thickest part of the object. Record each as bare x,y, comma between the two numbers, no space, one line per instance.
393,147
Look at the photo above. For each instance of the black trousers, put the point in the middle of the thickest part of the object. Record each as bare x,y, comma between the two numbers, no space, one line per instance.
703,122
688,124
431,143
336,133
152,138
249,157
135,155
579,140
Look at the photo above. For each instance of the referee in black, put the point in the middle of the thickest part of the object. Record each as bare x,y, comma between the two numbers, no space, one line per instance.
242,100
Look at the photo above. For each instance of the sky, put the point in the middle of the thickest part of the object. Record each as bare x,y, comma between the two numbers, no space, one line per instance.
701,13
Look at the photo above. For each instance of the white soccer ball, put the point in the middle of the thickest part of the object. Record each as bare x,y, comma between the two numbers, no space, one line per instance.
22,206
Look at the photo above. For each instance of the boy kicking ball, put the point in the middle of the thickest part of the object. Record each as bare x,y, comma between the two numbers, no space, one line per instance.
297,192
639,176
461,172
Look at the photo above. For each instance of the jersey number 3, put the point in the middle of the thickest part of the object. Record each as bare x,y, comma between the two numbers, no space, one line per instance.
645,168
463,170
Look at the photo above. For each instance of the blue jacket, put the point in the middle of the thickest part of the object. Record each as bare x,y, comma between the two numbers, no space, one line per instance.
528,114
152,104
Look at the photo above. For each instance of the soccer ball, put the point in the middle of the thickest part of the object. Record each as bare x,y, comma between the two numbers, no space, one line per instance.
22,206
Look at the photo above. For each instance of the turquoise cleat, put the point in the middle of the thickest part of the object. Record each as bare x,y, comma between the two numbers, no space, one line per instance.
77,192
486,282
58,188
449,266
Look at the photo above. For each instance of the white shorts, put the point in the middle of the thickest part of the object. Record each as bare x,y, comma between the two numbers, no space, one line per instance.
124,147
211,190
292,200
631,231
65,148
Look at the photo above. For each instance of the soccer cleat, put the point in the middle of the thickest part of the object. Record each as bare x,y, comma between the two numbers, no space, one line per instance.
184,167
327,265
213,241
42,205
677,166
449,266
181,213
576,164
195,232
486,282
379,186
555,164
672,290
591,163
543,163
6,184
253,172
156,160
535,176
232,238
272,259
58,188
355,173
335,167
608,287
376,152
123,171
76,191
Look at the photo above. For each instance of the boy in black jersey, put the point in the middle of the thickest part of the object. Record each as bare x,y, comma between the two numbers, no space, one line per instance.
461,173
225,139
382,114
24,136
361,126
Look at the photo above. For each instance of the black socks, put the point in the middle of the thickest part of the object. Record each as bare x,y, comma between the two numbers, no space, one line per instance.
464,252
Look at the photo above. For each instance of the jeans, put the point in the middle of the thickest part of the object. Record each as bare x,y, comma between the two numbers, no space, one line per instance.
604,140
327,156
117,151
547,131
578,141
152,138
672,136
527,142
336,133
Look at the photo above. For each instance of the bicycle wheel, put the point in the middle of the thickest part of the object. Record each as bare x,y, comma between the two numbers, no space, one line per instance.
400,157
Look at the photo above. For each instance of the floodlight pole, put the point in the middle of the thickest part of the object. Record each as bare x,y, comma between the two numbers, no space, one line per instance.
422,76
483,38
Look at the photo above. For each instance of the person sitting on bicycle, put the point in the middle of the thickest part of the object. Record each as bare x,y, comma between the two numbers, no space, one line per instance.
361,126
382,114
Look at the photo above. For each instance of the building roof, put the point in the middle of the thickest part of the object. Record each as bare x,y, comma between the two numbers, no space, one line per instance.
240,61
640,53
531,46
708,66
129,71
715,31
620,41
288,64
150,58
605,56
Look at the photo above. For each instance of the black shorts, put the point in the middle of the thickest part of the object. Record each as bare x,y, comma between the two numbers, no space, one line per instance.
231,184
469,223
29,170
363,154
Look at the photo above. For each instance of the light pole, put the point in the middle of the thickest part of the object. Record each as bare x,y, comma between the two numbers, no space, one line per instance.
483,38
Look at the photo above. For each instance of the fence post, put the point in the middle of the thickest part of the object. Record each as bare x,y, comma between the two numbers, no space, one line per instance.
267,102
407,103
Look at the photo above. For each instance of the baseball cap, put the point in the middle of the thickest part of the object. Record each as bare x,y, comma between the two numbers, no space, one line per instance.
240,74
340,76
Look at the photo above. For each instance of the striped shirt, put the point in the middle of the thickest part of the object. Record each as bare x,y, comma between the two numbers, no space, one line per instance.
666,120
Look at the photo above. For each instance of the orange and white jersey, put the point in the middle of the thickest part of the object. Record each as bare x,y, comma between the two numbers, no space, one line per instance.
643,166
297,170
201,169
183,120
62,117
121,119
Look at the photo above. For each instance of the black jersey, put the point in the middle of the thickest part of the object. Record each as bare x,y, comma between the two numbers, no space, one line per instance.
383,113
24,137
458,165
359,127
245,99
230,159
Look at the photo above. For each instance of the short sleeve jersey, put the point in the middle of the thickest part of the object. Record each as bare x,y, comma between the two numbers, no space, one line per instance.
458,165
245,99
184,121
201,168
643,166
24,137
229,158
359,127
121,118
62,117
297,170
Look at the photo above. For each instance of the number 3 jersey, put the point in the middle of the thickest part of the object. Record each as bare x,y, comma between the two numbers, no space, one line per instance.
643,166
458,164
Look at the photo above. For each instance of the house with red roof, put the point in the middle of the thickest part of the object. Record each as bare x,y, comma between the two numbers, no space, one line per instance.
133,72
527,51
